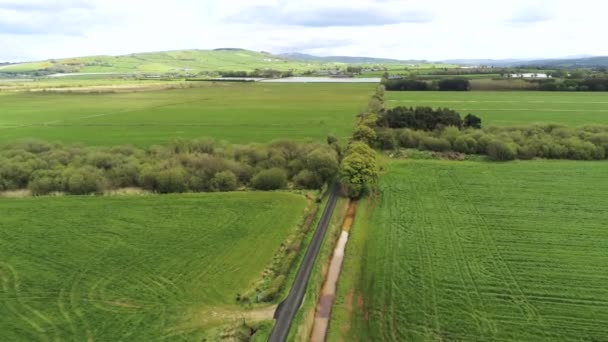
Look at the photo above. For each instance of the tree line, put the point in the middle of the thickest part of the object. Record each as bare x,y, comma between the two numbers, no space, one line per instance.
425,118
359,170
199,165
589,84
451,84
263,73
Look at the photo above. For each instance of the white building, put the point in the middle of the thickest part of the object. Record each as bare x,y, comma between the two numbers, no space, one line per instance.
530,75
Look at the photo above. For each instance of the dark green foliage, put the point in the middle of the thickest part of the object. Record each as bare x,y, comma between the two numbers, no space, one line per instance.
472,121
406,85
454,85
421,118
589,84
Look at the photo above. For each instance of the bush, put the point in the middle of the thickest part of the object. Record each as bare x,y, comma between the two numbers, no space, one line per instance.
435,144
307,179
45,182
271,179
84,181
465,144
171,180
501,151
224,181
386,139
408,138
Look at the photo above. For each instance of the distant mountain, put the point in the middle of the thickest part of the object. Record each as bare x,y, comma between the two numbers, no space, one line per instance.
587,62
486,62
569,62
296,56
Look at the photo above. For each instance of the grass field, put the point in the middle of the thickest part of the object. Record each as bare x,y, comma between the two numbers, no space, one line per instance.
474,251
239,113
514,108
133,268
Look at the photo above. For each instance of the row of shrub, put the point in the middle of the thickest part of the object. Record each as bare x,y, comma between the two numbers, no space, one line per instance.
452,84
505,143
359,170
181,166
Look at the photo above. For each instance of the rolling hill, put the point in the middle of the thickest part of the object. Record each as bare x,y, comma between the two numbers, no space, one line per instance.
180,61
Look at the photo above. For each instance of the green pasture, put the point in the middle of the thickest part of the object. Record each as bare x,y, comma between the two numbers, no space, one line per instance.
236,112
134,268
512,108
478,251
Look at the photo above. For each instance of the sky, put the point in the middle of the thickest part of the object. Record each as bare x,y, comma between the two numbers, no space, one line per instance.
402,29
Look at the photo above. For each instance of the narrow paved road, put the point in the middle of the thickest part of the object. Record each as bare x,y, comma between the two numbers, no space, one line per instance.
288,308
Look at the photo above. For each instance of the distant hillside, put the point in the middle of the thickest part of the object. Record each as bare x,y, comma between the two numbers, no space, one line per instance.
587,62
295,56
181,61
486,62
581,62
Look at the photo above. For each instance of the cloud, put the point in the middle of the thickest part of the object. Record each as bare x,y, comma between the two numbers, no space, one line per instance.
309,45
66,17
44,5
531,15
331,16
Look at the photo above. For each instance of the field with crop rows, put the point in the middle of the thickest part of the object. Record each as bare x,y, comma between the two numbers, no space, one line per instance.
477,251
238,113
514,108
134,267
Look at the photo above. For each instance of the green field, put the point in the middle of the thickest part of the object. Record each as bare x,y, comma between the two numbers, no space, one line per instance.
133,268
475,251
239,113
514,108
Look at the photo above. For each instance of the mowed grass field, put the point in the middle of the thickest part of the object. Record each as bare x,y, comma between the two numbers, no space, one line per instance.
134,268
475,251
238,113
510,108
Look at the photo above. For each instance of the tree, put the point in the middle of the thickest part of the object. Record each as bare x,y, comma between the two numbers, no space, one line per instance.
472,121
359,170
365,134
324,163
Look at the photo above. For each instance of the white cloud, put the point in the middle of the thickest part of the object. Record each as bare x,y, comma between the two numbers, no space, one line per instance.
410,29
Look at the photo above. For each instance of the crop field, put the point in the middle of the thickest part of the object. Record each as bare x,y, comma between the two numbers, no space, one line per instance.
238,113
514,108
133,267
477,251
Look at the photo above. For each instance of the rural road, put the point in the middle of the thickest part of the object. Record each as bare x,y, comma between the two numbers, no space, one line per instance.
286,311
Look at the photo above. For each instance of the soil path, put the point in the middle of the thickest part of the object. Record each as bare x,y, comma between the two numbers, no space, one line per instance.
328,293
